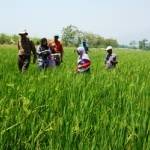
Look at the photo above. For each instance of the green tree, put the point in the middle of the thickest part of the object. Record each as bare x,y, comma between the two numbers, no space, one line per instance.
71,36
144,44
133,44
111,42
5,39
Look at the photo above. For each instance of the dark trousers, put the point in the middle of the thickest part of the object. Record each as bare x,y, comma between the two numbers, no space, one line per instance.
23,62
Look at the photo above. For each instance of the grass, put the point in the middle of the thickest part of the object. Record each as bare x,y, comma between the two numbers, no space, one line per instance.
59,109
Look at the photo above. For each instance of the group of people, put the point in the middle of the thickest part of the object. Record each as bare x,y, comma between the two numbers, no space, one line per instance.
50,54
47,54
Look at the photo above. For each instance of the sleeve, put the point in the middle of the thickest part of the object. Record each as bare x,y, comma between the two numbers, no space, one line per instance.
38,50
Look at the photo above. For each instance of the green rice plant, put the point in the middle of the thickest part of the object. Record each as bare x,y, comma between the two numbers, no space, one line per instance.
60,109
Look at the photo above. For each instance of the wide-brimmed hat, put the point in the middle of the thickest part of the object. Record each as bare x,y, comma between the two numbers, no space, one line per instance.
24,32
109,48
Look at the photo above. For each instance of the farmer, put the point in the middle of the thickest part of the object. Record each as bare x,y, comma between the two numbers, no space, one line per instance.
111,59
57,49
83,62
45,59
25,47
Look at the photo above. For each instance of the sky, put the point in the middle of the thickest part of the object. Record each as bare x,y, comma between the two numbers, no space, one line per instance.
124,20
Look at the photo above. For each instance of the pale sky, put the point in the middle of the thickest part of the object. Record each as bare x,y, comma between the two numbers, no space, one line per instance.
124,20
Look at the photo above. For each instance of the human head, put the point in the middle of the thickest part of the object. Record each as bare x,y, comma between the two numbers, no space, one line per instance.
56,37
43,42
109,49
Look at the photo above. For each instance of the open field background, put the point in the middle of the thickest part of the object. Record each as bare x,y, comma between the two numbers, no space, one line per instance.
59,109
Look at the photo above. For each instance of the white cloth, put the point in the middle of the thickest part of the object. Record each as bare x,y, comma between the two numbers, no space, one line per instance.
84,56
83,63
112,60
81,49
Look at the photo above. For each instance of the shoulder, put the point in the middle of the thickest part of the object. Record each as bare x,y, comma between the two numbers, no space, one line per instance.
51,42
60,42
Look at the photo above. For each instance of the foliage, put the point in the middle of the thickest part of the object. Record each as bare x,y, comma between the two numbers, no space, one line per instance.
144,44
13,39
72,36
59,109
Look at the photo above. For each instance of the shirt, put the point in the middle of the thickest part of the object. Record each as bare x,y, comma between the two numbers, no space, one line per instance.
25,46
58,48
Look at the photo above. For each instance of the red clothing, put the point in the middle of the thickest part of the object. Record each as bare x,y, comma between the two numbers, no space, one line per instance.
58,48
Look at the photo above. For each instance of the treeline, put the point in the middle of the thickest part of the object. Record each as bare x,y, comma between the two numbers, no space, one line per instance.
8,39
72,36
13,39
142,44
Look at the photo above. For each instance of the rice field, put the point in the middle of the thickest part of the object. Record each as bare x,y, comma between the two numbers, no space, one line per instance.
58,109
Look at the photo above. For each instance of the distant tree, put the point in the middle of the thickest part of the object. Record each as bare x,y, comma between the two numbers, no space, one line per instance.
144,44
111,42
133,44
71,35
94,40
14,39
5,39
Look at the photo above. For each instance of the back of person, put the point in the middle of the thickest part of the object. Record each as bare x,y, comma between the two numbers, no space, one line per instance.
83,62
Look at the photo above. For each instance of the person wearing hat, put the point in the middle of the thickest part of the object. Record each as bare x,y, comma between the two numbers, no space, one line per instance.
25,47
83,62
111,59
57,48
